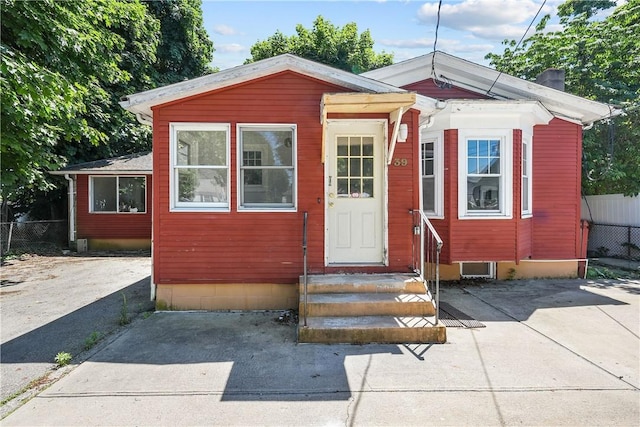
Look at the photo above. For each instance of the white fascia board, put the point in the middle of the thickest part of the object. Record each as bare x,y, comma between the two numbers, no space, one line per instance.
101,172
479,78
491,114
141,103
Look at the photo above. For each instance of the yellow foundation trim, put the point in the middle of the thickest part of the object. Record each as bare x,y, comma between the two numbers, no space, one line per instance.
538,269
119,244
240,296
526,269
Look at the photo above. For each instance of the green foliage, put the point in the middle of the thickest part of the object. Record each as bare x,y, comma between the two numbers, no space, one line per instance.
124,311
185,49
340,47
92,340
65,66
63,358
601,60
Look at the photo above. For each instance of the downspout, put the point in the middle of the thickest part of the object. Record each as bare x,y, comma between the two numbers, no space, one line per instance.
72,209
146,120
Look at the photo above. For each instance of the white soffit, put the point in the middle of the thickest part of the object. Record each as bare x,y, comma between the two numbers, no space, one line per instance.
491,114
478,78
141,103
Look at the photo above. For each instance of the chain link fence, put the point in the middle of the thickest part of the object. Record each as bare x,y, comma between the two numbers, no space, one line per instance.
32,235
618,241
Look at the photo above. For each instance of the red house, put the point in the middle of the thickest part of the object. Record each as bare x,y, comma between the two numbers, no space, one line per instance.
252,161
110,202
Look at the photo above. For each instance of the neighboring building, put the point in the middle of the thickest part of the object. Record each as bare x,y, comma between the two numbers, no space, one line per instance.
241,155
110,202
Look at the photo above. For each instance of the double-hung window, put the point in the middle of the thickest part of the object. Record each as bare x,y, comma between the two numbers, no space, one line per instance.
431,171
267,167
484,182
200,166
526,177
117,194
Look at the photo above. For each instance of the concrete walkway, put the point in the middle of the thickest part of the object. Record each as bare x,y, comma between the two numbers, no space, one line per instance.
552,353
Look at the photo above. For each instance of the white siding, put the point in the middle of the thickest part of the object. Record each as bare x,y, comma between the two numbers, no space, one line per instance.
612,209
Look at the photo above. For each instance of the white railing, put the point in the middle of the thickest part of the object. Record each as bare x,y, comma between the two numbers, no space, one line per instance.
427,246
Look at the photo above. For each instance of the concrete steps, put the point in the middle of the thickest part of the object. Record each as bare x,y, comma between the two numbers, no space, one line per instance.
367,308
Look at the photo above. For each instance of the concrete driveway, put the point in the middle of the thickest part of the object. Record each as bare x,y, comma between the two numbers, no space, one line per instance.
552,353
53,304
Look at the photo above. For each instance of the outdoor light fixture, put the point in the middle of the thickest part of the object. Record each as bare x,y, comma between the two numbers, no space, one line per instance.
403,132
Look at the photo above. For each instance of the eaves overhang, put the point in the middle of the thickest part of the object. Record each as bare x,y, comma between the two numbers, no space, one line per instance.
142,103
484,80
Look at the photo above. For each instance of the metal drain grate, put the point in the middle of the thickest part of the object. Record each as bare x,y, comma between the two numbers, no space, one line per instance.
454,318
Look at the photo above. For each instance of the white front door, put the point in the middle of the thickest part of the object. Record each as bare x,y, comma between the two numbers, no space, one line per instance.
355,190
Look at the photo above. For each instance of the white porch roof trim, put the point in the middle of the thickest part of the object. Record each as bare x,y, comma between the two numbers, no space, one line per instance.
394,104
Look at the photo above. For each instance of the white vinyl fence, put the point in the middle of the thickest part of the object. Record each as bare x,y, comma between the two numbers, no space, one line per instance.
615,225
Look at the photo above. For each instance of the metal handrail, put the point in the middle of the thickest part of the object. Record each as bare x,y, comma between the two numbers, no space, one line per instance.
304,263
430,246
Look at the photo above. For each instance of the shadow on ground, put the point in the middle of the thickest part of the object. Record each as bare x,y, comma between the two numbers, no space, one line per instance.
519,299
68,333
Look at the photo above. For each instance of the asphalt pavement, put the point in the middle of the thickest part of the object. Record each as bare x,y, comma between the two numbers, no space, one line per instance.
551,353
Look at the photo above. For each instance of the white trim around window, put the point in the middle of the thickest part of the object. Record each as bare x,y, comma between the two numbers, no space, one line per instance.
526,182
267,178
431,180
485,159
199,167
120,194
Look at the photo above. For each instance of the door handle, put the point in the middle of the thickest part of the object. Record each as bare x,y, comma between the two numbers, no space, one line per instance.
330,204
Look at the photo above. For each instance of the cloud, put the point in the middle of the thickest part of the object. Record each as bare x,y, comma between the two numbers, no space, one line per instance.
230,48
225,30
446,45
488,19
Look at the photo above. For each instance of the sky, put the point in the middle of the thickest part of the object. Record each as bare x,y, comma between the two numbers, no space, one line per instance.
468,28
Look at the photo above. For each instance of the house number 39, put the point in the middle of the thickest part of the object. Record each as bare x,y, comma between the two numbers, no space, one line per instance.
400,162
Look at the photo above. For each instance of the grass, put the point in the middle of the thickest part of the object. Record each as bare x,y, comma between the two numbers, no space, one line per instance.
63,358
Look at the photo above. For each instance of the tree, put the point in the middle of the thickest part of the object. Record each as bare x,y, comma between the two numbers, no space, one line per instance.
601,60
185,50
339,47
65,67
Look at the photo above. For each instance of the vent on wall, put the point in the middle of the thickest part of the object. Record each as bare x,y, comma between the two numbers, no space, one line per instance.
82,245
477,269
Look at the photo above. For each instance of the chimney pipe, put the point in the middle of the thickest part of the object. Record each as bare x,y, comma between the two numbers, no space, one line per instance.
552,77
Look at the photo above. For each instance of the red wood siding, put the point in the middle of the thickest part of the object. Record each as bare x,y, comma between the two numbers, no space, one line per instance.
261,247
110,225
428,88
557,152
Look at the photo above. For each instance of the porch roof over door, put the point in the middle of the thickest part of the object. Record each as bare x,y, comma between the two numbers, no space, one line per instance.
395,104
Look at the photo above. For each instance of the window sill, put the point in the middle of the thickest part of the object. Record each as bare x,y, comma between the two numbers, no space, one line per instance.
200,209
485,216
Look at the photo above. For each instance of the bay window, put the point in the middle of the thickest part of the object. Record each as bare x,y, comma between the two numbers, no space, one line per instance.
484,182
526,177
431,171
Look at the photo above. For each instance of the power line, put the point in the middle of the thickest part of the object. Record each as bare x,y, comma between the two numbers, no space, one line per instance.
433,55
521,39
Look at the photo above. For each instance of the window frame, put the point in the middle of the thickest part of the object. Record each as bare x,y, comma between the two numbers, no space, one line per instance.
437,139
527,146
505,136
117,177
178,206
267,207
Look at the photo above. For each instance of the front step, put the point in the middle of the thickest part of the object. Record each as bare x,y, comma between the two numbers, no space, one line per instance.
368,308
372,329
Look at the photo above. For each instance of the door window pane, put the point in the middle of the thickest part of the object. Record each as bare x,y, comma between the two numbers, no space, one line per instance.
356,165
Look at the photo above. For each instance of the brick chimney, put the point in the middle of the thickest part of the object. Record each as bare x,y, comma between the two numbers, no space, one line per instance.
552,77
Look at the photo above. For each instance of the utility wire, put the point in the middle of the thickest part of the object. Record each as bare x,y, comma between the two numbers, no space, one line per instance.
521,39
433,55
